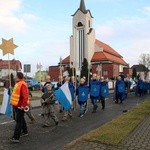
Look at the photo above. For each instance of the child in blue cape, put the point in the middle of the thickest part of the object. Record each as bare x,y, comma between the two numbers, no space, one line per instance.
82,92
120,90
94,91
104,91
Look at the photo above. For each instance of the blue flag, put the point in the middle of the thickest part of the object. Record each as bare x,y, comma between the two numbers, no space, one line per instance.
6,107
63,95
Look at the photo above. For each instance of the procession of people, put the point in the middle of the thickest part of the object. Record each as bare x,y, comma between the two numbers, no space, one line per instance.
81,92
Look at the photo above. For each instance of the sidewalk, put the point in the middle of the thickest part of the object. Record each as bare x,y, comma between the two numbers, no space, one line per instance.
139,139
34,104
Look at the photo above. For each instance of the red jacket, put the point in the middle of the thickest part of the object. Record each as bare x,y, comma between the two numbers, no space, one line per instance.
23,97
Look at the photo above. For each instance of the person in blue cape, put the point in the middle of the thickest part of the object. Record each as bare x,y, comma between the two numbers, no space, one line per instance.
82,92
145,87
127,86
94,91
104,91
60,82
148,86
48,81
140,87
72,87
119,90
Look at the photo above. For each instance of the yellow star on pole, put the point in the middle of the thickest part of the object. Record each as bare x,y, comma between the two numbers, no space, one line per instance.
8,46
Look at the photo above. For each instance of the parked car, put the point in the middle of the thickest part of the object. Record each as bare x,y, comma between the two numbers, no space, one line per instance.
33,84
54,83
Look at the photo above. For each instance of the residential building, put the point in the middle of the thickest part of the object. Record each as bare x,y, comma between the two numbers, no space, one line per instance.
41,75
142,71
9,67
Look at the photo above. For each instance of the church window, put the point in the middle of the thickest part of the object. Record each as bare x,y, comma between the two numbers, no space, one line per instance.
80,24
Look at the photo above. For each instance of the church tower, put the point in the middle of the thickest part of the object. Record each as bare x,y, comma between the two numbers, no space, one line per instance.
82,41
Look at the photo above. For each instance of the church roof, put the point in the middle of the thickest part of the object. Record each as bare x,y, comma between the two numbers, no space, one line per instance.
107,48
66,60
103,56
108,54
83,9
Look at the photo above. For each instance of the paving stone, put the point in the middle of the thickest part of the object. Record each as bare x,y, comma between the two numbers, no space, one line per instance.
138,140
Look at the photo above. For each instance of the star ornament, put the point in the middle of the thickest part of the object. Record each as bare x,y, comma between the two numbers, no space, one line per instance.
8,46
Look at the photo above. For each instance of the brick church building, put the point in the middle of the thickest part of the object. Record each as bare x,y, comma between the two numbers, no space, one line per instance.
102,58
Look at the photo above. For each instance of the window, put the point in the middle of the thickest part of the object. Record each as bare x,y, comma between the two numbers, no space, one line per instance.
105,73
80,24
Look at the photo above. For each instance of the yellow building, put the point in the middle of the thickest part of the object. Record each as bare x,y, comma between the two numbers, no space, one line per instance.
40,75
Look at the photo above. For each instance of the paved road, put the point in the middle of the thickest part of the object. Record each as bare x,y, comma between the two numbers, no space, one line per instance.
55,138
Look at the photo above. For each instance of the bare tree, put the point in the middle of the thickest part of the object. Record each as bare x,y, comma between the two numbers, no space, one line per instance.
145,60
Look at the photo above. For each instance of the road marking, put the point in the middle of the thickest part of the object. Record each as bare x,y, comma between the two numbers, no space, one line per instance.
6,122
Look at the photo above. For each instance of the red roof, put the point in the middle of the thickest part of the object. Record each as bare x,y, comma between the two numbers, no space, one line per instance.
108,54
66,60
103,56
107,48
14,64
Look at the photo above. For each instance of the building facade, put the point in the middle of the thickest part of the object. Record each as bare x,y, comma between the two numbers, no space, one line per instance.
9,66
41,75
102,58
142,71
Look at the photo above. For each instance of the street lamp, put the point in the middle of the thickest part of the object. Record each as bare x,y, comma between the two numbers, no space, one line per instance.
61,67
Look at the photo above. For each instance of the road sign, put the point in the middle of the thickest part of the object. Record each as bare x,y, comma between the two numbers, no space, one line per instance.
27,68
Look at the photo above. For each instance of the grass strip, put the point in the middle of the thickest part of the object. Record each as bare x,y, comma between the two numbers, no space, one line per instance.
117,130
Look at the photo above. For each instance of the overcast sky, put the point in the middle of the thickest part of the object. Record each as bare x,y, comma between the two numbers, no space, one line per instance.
41,28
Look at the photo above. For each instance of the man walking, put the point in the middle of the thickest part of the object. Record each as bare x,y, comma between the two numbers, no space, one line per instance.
20,102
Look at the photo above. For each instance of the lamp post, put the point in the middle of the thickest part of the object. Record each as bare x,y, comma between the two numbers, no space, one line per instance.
61,68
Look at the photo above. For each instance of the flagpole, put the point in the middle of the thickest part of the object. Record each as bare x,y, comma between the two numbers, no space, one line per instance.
89,67
75,89
60,61
7,47
9,72
75,86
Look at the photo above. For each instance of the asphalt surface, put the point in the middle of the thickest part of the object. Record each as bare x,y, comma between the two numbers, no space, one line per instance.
56,137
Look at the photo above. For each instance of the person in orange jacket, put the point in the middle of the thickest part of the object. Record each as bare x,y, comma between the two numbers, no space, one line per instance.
20,102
